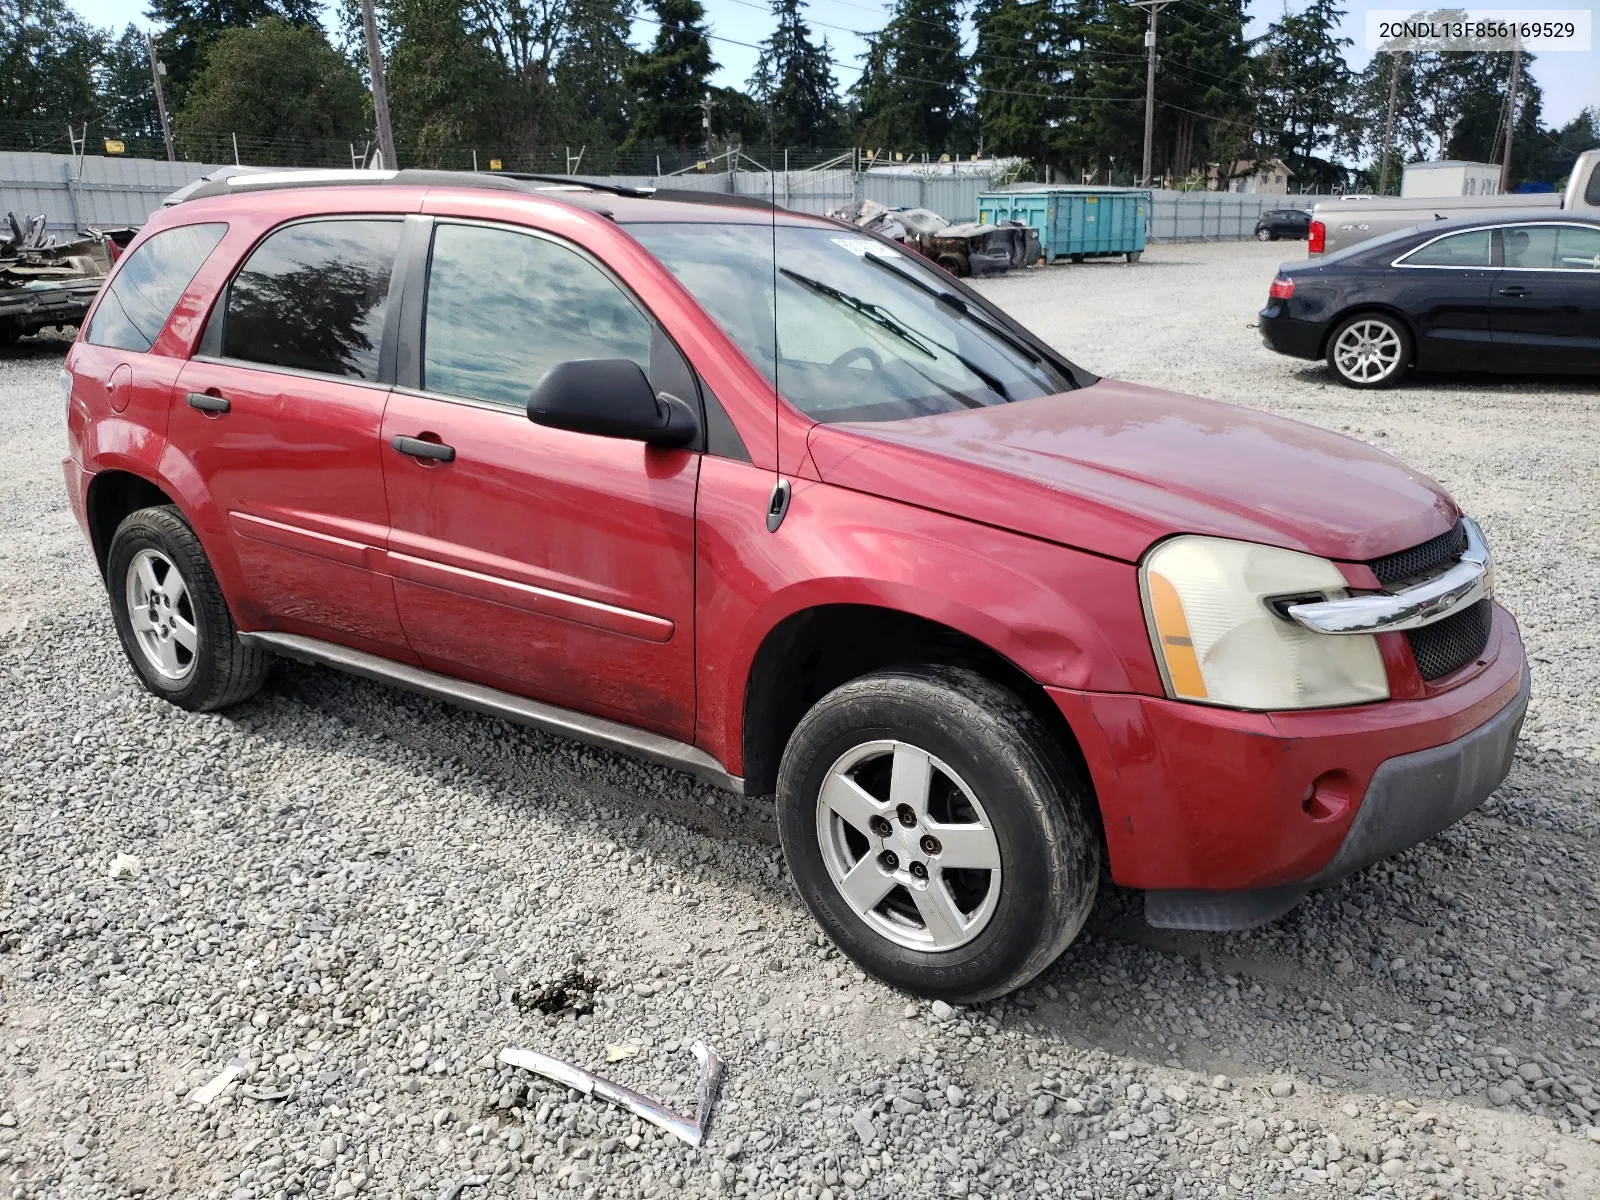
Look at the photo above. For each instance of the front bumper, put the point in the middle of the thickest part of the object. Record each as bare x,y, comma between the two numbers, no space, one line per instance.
1410,799
1200,805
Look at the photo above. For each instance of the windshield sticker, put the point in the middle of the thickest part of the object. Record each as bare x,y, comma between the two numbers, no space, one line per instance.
861,247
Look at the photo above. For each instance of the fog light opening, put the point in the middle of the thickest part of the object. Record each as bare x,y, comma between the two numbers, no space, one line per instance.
1327,796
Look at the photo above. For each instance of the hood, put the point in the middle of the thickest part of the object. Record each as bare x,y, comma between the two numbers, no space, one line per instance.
1113,467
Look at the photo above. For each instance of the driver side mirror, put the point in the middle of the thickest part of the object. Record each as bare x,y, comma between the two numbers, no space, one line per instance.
612,397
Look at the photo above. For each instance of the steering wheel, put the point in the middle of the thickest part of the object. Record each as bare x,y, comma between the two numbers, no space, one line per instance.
849,356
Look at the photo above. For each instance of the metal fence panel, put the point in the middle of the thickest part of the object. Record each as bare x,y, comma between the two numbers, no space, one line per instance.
96,190
1207,216
93,190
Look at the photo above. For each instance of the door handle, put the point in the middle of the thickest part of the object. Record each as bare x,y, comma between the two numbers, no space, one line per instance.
417,448
209,404
1515,289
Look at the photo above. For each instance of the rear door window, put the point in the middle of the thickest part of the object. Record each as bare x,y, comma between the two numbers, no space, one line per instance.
1528,247
313,297
505,307
143,293
1469,249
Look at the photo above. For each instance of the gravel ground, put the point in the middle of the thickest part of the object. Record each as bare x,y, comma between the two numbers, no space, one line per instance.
356,898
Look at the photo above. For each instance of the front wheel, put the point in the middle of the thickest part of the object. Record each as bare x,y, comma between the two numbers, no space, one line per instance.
1265,235
171,616
1369,350
937,832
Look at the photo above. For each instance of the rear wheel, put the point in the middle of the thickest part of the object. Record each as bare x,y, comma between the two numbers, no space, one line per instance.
10,331
956,264
171,617
1369,350
937,832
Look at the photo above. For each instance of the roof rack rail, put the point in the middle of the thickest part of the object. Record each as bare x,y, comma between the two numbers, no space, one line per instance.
616,189
258,180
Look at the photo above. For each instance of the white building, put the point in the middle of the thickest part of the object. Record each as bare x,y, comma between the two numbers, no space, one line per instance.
1450,177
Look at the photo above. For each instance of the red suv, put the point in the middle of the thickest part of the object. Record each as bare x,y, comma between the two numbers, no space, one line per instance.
761,497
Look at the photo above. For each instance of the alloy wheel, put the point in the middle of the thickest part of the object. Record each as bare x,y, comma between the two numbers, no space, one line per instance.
909,846
1367,351
162,615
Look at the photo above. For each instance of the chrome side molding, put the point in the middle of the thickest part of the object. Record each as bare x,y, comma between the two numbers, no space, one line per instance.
564,722
1463,585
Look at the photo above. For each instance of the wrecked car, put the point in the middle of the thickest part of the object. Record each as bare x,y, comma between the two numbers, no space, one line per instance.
46,282
963,250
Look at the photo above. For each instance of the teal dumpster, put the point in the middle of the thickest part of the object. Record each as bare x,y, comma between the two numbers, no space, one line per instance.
1075,222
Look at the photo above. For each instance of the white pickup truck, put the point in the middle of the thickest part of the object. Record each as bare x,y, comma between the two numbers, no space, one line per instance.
1337,223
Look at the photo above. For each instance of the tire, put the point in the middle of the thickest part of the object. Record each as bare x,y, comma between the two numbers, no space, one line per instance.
10,331
955,264
180,637
1266,235
1369,350
984,755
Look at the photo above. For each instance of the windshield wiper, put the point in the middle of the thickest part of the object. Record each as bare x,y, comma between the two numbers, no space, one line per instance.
880,316
951,300
870,311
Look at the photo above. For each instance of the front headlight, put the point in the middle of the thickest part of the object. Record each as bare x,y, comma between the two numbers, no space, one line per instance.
1218,640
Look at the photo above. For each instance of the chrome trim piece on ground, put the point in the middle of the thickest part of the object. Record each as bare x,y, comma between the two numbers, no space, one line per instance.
687,1129
1462,586
566,722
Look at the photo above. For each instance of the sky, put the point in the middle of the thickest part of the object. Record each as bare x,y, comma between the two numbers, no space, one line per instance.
1570,80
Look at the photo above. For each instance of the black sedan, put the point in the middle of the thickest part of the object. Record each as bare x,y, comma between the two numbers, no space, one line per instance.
1515,293
1275,223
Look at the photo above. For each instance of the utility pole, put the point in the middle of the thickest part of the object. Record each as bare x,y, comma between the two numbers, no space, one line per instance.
1154,7
1388,123
157,70
1511,119
380,90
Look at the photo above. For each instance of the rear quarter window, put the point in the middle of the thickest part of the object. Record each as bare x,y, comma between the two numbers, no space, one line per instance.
145,290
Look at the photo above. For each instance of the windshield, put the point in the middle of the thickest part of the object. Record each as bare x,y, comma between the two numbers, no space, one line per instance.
864,332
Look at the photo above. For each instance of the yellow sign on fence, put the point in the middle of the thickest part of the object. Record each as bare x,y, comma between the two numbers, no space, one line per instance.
494,164
115,146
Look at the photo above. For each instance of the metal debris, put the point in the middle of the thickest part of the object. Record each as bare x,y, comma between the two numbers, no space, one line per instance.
616,1053
452,1191
688,1129
261,1093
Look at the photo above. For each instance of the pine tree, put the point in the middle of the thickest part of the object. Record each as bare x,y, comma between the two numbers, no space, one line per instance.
670,81
1307,91
912,96
1021,75
124,94
793,81
193,25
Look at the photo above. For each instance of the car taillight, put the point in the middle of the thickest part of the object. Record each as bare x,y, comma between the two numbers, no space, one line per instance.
1317,239
1282,288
